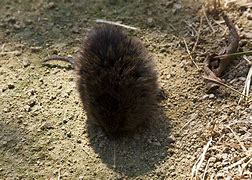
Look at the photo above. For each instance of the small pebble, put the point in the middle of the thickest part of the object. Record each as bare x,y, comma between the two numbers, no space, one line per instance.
171,139
32,102
26,62
75,30
46,126
149,20
27,108
249,16
6,110
51,5
242,79
31,92
205,96
65,121
51,148
69,134
211,96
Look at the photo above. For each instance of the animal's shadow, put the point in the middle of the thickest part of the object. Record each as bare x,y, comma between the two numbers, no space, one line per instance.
136,154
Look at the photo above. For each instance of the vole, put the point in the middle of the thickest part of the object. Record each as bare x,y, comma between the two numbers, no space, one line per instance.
116,79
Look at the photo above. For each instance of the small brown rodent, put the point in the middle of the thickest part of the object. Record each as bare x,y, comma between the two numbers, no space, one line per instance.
116,80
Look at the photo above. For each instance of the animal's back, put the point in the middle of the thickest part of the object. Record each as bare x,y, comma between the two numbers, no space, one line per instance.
116,79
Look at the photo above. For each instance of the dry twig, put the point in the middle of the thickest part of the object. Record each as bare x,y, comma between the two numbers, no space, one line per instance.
198,35
208,21
214,66
238,139
201,158
205,171
59,175
188,122
223,84
236,163
247,82
9,52
116,24
190,54
233,55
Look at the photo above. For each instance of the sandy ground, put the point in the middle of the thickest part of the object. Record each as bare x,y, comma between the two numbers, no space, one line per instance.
43,131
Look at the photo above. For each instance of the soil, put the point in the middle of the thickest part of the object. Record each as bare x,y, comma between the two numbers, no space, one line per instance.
43,130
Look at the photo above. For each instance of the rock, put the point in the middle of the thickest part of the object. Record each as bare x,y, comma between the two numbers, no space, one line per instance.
26,62
32,102
69,134
17,26
242,79
12,20
52,97
65,121
249,16
46,126
156,143
50,148
149,20
211,96
205,97
6,110
27,108
51,5
31,92
224,156
171,139
247,35
75,30
220,175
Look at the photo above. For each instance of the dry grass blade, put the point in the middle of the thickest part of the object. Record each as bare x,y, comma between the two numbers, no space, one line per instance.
2,48
236,163
59,175
188,122
247,85
201,158
198,35
246,164
233,55
9,52
190,54
190,26
222,84
208,21
116,24
237,138
205,171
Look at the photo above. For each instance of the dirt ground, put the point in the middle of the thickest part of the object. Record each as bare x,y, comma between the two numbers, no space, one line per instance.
43,131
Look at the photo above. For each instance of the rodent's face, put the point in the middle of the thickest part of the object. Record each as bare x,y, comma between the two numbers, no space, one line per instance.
106,111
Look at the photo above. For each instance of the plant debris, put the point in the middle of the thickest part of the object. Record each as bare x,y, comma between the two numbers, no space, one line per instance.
214,66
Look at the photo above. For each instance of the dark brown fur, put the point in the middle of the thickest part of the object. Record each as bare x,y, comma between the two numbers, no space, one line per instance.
116,80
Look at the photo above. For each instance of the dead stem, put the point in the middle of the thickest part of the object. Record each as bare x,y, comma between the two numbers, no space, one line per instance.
116,24
223,84
198,35
190,54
